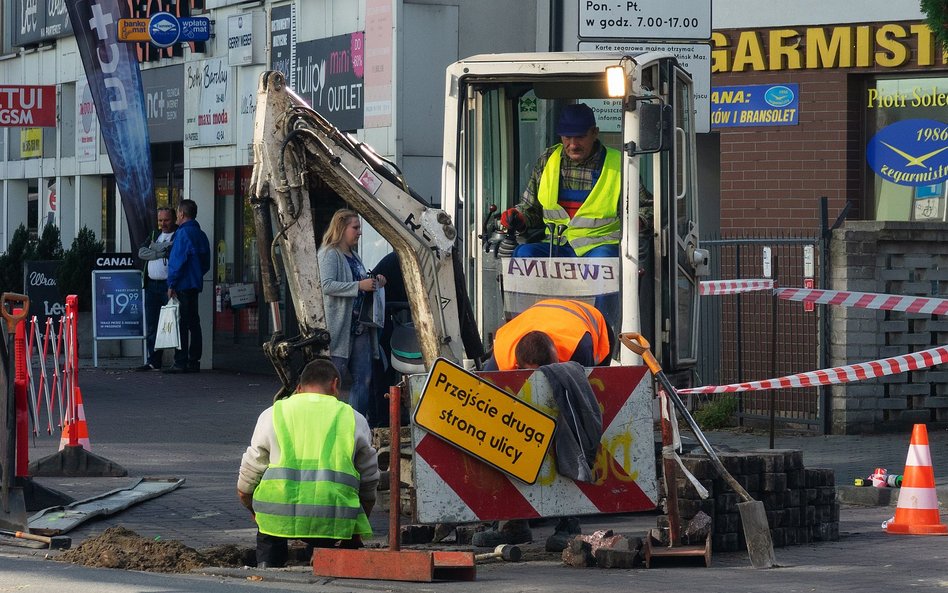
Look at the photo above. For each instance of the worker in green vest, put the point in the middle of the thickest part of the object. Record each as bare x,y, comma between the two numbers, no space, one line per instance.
310,472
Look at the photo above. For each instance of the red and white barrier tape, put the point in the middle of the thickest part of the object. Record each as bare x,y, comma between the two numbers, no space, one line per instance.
722,287
865,300
838,375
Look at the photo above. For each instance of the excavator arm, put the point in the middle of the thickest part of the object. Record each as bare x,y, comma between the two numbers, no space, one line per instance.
293,143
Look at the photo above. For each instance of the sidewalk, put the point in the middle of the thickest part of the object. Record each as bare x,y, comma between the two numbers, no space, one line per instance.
196,427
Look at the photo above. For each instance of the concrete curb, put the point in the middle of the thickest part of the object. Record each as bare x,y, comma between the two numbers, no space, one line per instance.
880,497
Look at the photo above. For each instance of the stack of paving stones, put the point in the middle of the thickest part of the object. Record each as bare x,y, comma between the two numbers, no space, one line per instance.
800,503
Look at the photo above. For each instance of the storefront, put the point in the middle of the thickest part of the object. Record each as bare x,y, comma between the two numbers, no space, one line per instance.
239,329
851,112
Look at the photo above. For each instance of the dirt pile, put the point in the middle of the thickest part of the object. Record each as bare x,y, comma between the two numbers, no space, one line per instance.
122,548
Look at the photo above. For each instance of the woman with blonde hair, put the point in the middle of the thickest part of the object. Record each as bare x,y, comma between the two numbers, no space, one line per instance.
345,284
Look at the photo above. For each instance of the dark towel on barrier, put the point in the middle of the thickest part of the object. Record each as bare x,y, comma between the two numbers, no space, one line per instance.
579,424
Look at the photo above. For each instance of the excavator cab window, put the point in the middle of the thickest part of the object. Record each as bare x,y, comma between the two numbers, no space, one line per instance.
511,127
506,120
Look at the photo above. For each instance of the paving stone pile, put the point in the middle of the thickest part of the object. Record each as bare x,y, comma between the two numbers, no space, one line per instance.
800,503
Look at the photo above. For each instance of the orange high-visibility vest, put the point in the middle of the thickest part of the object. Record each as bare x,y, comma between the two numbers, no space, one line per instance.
565,321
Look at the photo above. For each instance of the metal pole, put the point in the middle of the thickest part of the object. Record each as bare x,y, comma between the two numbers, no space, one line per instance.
822,311
394,467
739,355
773,349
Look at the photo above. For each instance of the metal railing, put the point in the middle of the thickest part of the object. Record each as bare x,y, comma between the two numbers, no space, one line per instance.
753,336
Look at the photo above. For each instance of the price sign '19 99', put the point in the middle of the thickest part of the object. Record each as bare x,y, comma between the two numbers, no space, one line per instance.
119,308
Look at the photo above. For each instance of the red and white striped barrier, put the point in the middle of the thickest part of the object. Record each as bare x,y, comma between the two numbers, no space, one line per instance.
57,387
865,300
722,287
451,485
838,375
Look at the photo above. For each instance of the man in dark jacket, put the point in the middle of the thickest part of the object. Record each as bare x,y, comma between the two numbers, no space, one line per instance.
189,261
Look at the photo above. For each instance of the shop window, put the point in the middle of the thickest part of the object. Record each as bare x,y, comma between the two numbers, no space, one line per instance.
32,209
907,148
108,213
167,160
236,267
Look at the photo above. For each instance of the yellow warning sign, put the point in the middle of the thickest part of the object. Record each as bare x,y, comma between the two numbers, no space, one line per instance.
488,423
133,30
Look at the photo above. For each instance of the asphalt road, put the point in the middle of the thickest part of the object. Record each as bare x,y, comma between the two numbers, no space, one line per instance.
196,427
864,559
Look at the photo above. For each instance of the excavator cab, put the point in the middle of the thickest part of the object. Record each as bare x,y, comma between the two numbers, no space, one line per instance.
500,116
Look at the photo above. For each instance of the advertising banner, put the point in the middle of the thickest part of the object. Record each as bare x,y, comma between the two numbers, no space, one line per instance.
34,21
247,80
379,58
119,310
164,102
210,103
111,68
87,126
31,143
245,39
755,105
27,106
283,41
331,74
39,281
911,152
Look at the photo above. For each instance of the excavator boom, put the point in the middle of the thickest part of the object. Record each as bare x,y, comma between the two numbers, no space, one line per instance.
292,145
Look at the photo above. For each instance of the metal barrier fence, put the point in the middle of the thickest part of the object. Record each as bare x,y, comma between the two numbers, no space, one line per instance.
752,336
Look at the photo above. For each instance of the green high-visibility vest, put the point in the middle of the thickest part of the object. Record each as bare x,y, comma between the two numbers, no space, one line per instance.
596,222
314,489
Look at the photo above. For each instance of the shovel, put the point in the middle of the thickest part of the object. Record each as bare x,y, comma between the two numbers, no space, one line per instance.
12,502
760,545
56,542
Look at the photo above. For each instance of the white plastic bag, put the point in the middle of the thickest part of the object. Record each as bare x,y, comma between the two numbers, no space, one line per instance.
168,336
372,313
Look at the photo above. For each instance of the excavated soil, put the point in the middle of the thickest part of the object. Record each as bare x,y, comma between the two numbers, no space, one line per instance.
118,547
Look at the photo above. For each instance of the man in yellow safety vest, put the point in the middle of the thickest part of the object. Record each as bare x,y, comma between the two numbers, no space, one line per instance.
576,197
310,472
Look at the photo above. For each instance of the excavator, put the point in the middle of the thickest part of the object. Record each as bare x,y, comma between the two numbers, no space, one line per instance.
455,256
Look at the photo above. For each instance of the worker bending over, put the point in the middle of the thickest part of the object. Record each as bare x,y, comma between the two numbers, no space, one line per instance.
310,472
578,331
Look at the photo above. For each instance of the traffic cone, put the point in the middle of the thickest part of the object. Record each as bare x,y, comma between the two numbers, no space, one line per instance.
917,511
79,425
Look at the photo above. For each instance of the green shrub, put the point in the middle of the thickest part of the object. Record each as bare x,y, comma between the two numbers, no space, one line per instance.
717,413
11,262
75,273
48,247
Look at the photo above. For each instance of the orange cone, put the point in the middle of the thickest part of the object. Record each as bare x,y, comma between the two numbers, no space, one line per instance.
79,425
917,512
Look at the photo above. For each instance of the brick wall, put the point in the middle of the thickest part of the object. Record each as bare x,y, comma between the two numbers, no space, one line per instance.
900,258
773,176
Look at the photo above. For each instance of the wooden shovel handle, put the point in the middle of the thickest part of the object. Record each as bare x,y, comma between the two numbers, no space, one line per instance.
14,318
638,344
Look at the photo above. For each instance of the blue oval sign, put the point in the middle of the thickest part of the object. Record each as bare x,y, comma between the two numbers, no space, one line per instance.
778,96
911,152
164,29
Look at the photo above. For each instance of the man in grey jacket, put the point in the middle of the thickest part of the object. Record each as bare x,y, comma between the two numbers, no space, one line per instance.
155,255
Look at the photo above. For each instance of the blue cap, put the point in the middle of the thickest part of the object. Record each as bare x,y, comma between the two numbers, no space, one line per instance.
575,120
